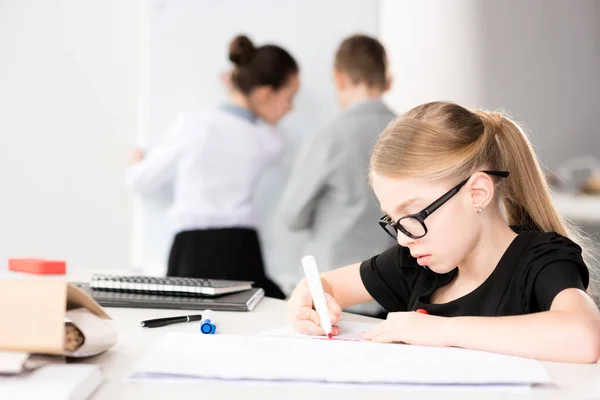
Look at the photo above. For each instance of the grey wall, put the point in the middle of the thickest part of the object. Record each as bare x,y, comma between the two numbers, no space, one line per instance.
541,62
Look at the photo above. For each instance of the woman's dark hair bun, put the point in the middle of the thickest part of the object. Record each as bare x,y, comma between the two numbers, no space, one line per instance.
267,65
241,50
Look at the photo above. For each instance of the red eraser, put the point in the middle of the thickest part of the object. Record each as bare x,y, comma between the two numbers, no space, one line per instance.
37,266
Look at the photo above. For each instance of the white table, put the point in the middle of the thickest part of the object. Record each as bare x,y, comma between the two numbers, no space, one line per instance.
573,380
578,208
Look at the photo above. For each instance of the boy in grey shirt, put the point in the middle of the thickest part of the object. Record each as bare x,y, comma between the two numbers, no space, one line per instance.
328,191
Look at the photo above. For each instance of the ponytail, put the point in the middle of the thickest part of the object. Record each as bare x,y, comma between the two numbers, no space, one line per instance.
526,199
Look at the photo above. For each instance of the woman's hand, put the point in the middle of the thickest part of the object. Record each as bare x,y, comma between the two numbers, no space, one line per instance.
136,156
226,81
302,315
411,328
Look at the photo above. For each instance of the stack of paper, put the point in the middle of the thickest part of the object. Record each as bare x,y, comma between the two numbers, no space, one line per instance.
264,358
12,362
53,382
17,362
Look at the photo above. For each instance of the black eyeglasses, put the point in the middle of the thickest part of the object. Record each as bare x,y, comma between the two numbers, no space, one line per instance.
413,225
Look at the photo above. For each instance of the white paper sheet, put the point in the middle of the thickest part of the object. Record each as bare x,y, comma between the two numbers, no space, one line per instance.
264,358
525,388
53,382
349,331
12,362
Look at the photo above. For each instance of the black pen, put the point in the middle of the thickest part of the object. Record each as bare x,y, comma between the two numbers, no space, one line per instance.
155,323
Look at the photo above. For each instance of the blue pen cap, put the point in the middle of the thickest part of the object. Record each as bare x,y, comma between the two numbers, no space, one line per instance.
207,327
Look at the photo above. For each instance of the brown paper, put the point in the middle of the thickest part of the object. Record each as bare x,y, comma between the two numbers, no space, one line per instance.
32,314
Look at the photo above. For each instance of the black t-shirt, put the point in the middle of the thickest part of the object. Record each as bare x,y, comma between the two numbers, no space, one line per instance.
533,270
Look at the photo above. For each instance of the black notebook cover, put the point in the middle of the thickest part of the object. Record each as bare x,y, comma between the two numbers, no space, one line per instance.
241,301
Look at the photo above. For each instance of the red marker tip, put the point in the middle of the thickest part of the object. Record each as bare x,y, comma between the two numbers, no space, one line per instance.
330,336
421,311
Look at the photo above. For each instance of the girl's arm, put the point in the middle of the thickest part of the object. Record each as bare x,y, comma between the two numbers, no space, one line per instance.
569,332
346,286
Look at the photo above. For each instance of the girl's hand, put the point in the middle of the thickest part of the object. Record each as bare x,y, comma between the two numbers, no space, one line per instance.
302,315
410,328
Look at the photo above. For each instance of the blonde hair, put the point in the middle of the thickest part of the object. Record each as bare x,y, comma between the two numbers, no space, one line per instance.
442,140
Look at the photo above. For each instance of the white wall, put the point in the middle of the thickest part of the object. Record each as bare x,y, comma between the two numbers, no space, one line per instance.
68,87
434,50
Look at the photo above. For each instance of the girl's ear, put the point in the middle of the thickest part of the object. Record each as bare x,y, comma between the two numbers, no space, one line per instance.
481,190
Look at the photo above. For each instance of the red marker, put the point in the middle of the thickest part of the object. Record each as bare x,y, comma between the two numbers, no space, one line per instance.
330,336
421,311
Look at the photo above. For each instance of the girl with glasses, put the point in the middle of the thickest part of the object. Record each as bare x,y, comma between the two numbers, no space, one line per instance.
481,248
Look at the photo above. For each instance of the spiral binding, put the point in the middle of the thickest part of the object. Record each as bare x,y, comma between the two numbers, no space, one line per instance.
148,284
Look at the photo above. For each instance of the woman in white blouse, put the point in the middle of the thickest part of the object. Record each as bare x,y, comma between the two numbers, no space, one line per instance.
214,159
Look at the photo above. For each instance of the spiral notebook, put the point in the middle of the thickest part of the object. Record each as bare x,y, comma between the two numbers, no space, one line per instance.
246,300
171,286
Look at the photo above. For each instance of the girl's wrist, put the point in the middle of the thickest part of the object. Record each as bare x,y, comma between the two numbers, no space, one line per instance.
451,332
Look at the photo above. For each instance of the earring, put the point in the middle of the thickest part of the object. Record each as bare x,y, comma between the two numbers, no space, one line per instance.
479,210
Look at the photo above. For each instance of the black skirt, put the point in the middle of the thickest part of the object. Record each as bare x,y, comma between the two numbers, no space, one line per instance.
228,253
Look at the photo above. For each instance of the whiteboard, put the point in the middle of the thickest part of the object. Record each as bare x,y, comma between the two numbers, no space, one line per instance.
184,51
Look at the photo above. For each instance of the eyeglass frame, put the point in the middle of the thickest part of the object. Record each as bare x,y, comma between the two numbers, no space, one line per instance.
386,221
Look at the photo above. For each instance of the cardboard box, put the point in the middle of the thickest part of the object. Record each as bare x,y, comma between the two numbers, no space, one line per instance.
32,318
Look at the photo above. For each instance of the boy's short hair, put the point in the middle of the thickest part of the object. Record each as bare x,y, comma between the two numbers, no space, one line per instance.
363,59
